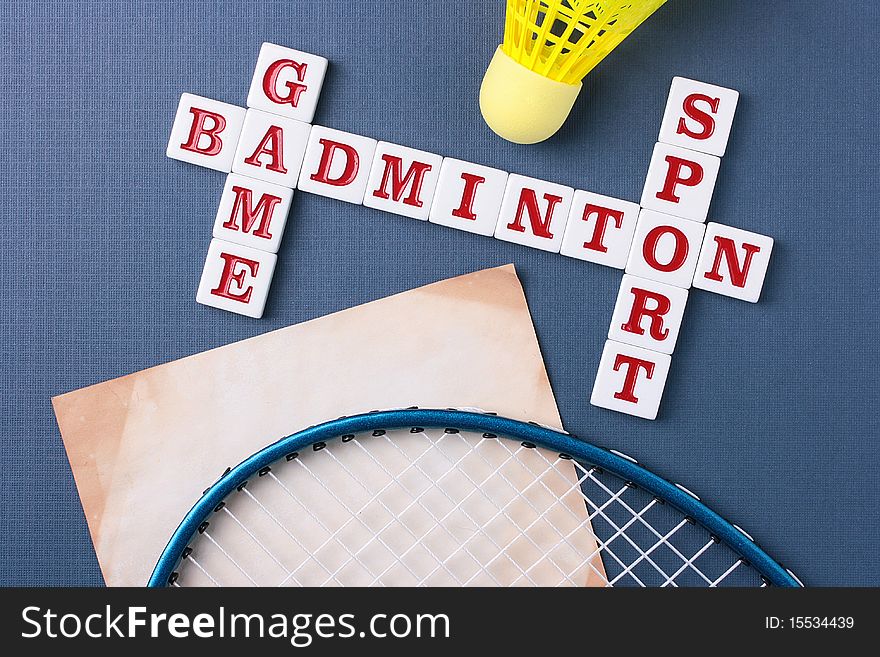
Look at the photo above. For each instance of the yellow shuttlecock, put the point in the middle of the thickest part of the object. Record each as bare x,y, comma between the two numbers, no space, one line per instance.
548,48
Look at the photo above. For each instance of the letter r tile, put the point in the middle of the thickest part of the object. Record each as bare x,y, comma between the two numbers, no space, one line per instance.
648,314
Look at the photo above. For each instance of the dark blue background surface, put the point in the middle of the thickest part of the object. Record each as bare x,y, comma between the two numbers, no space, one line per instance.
771,409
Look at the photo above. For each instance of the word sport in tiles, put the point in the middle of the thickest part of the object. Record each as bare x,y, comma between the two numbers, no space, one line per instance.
665,243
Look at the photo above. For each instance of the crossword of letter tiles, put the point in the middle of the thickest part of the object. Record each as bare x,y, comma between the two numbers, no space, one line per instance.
630,380
534,213
698,116
600,229
663,244
665,248
287,82
252,212
648,314
236,278
468,196
402,180
733,262
337,164
680,182
271,148
205,132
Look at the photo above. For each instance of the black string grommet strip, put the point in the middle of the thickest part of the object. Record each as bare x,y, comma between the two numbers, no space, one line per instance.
241,486
450,430
417,430
173,577
291,456
528,445
219,507
186,552
317,447
489,435
203,527
379,432
262,472
565,457
347,437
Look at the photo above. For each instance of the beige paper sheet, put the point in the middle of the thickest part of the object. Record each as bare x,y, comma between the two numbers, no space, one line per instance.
143,447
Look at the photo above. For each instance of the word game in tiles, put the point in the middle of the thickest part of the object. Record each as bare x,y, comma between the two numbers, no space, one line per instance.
664,244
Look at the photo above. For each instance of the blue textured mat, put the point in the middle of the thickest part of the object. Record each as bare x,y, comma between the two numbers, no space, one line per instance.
770,412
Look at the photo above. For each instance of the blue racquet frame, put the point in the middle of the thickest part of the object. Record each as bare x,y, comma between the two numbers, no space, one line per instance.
563,443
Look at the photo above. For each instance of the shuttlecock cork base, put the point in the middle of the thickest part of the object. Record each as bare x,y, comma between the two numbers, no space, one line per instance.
523,106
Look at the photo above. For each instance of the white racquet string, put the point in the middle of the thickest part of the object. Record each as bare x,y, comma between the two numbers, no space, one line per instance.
448,508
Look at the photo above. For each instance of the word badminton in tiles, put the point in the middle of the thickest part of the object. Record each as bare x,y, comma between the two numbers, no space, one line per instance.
663,243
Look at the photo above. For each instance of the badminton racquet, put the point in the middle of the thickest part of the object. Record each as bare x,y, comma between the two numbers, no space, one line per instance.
453,498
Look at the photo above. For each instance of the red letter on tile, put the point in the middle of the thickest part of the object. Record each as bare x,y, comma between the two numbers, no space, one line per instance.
352,162
273,145
528,202
674,177
727,248
229,276
243,204
465,209
270,81
640,309
706,121
633,365
649,248
399,182
602,217
198,129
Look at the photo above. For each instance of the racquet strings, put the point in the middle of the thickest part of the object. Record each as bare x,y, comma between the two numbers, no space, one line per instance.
435,507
